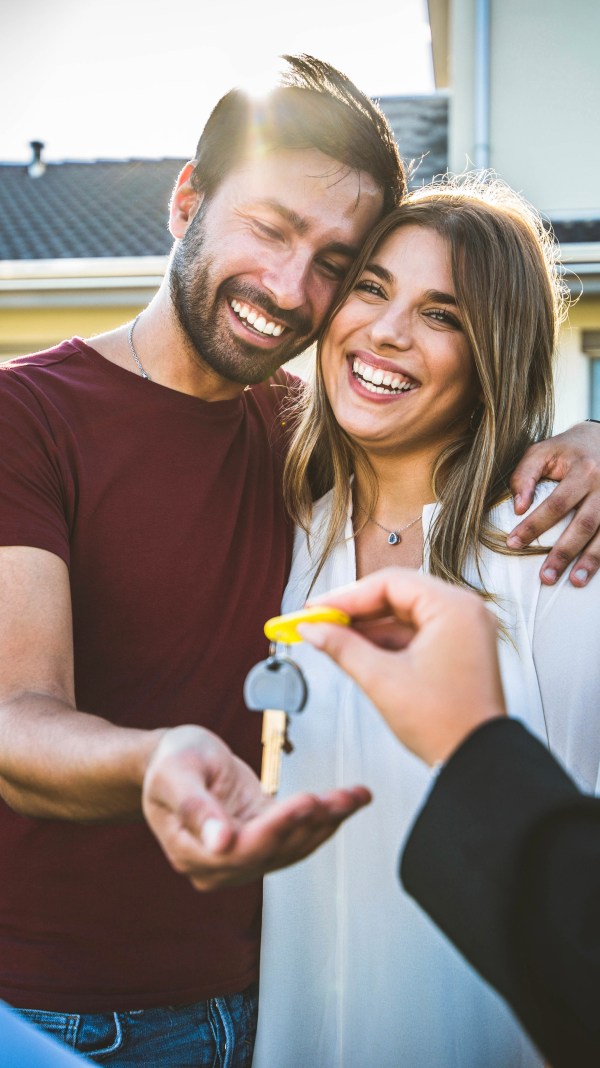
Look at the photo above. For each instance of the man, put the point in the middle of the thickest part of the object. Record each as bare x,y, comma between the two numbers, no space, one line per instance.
505,854
144,545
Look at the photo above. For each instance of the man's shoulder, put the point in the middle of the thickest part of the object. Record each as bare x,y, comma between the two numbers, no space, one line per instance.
43,358
32,370
62,376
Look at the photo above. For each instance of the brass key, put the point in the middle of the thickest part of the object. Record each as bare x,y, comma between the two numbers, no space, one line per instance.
274,741
276,687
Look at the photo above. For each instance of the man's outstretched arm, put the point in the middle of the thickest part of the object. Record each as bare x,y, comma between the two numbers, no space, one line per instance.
204,805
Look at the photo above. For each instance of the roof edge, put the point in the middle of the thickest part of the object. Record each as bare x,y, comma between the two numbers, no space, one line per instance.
574,252
81,268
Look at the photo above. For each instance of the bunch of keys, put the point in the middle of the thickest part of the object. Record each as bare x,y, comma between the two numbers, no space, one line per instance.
277,688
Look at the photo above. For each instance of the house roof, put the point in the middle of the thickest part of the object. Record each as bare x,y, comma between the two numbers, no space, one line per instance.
118,208
576,231
420,125
100,208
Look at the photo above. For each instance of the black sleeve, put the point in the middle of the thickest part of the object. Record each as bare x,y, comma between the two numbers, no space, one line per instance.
505,858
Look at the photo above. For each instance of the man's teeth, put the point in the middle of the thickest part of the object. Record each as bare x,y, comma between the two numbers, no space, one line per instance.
378,381
258,322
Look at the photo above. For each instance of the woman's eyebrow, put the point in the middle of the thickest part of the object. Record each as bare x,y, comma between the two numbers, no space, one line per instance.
386,276
380,272
441,297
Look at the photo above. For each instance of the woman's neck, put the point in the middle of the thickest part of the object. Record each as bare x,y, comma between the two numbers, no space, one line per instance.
391,531
403,488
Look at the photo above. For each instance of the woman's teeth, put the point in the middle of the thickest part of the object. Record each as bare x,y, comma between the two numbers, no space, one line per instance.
378,381
255,320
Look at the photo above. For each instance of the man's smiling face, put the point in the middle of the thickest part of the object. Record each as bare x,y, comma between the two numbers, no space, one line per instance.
259,264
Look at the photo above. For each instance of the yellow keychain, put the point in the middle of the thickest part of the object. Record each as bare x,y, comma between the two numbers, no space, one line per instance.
283,628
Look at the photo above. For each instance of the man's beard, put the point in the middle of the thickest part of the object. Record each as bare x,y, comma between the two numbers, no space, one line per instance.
197,308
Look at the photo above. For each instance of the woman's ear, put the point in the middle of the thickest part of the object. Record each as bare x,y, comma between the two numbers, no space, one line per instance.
185,201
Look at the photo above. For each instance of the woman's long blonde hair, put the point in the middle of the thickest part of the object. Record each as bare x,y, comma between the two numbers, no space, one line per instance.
512,299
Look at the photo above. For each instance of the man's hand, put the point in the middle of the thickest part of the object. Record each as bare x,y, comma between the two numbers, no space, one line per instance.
215,825
423,651
573,460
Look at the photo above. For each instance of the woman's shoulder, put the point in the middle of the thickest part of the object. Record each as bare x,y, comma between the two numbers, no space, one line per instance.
321,511
322,508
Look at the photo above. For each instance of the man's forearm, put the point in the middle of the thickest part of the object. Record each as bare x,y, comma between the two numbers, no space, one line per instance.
59,763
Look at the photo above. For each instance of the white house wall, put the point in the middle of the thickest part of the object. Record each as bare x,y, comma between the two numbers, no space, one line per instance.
545,98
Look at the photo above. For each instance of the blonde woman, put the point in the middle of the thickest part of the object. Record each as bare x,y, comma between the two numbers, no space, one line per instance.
433,376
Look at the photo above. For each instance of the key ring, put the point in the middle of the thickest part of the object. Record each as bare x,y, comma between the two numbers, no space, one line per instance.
284,628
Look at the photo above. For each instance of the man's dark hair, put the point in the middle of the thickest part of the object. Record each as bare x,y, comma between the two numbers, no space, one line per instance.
313,106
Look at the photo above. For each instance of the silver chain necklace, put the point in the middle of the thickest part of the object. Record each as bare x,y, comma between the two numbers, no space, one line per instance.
143,373
394,535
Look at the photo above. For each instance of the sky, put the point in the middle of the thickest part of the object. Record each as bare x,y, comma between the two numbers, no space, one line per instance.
111,79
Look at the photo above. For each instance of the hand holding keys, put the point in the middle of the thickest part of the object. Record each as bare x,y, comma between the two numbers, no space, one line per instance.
277,687
212,817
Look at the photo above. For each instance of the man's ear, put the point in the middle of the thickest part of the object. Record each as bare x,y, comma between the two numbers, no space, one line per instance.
185,201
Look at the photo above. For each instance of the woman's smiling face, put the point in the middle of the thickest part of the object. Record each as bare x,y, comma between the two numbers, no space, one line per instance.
397,366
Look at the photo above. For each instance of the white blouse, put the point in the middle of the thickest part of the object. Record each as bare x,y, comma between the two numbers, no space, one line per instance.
353,973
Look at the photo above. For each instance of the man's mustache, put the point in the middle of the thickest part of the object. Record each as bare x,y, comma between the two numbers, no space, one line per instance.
291,318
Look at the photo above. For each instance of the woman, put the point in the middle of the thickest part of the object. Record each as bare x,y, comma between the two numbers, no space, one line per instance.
433,376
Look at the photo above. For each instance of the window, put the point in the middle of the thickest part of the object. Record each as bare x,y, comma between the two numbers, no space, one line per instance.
591,347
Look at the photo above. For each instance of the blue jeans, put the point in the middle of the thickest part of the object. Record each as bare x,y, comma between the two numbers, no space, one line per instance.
208,1034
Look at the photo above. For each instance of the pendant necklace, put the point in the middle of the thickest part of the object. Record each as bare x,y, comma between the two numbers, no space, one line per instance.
394,537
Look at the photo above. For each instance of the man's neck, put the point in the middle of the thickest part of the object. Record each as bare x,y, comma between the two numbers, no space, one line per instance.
164,354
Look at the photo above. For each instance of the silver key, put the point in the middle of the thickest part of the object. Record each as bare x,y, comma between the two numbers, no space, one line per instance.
275,687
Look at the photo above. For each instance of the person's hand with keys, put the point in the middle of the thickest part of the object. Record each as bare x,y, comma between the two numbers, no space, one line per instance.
216,824
424,652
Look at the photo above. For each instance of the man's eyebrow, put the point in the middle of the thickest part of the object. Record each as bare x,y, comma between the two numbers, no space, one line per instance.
341,249
299,224
302,225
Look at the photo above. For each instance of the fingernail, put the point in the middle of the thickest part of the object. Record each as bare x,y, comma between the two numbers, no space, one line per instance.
513,541
518,500
211,832
581,574
550,574
312,633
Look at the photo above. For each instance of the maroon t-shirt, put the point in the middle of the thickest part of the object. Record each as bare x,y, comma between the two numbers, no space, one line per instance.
168,512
